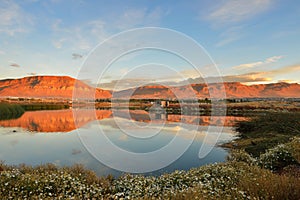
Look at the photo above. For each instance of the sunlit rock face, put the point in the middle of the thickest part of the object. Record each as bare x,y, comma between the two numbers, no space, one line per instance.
49,87
63,87
232,90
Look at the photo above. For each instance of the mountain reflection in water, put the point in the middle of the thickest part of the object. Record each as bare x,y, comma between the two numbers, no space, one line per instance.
49,142
64,120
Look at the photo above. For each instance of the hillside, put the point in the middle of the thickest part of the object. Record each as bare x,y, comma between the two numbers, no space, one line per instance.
63,87
233,90
48,87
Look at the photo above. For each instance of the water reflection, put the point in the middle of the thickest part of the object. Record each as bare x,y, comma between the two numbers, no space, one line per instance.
24,140
54,120
63,120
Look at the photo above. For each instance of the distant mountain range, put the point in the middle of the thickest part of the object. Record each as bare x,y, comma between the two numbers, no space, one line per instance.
63,86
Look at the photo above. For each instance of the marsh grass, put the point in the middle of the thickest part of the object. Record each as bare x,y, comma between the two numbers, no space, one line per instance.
33,107
10,111
270,123
267,131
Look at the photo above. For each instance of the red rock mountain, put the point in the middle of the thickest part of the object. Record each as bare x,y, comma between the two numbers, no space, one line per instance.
233,90
63,87
49,86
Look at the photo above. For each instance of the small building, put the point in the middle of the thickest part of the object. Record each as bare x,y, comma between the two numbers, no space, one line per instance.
164,103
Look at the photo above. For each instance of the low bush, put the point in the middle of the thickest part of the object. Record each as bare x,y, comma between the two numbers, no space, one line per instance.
230,180
278,157
10,111
239,155
267,131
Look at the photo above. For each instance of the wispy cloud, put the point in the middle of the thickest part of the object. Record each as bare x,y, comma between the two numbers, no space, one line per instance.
76,56
262,76
285,70
273,59
269,60
126,83
139,17
13,18
232,15
230,35
232,11
14,65
250,78
76,37
287,81
86,35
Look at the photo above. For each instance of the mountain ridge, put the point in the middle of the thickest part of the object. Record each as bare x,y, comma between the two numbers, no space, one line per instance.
49,87
63,87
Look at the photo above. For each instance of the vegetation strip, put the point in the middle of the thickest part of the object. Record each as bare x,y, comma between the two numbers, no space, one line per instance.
10,111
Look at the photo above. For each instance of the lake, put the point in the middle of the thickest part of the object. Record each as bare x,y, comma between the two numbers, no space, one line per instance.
56,136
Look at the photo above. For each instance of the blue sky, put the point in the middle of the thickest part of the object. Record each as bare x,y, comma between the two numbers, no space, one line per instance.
250,41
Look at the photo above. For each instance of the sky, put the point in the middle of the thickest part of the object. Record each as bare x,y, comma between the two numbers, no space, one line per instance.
251,42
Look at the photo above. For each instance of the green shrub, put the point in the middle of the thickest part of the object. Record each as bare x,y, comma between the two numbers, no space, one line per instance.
238,155
295,148
277,158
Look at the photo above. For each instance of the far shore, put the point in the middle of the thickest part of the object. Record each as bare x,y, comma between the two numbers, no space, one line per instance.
202,106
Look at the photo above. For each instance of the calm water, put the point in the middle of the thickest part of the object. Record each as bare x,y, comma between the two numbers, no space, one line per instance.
40,137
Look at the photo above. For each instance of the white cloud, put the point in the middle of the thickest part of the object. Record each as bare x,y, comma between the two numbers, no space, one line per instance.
131,18
272,59
248,65
287,81
261,76
285,70
232,11
230,35
13,18
80,37
139,17
75,38
98,28
193,77
58,43
87,35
